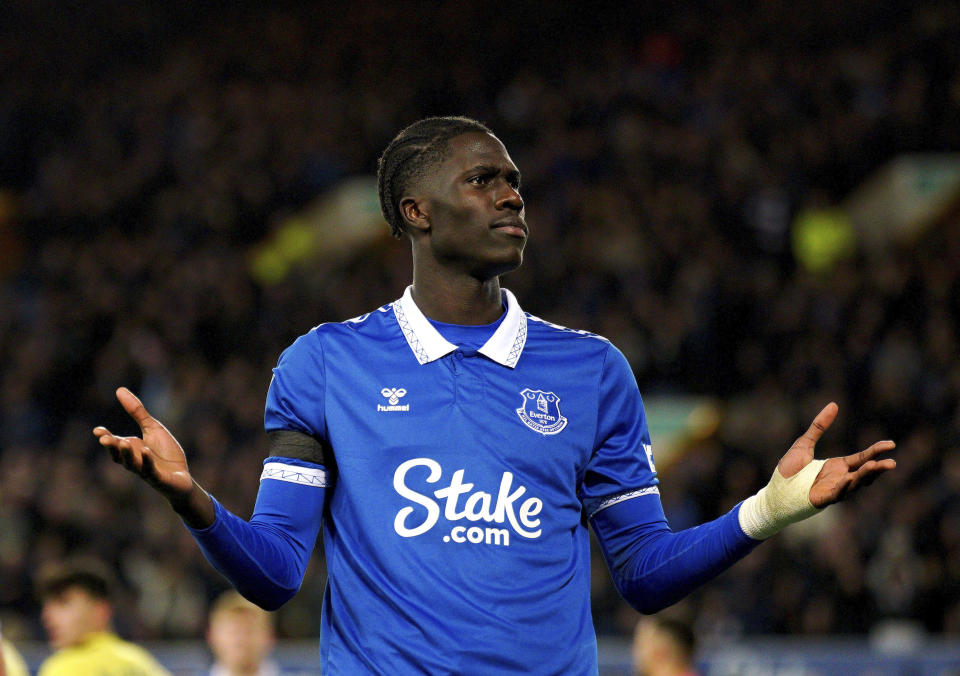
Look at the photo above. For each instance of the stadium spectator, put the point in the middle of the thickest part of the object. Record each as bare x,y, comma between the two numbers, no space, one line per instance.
663,646
241,637
77,616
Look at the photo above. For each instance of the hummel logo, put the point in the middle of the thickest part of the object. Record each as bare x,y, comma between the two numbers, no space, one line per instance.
393,395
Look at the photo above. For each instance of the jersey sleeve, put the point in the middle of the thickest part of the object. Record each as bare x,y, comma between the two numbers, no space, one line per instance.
651,565
621,465
295,399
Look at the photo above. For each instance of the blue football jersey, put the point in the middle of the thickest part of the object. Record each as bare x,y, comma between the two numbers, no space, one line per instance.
456,526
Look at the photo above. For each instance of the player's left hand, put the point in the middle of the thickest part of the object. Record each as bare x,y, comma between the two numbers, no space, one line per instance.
839,477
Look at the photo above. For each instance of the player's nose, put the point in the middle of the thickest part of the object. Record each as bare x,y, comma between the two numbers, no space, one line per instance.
509,198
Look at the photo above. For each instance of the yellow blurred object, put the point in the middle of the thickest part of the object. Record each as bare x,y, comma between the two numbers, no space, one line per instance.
11,663
822,237
338,222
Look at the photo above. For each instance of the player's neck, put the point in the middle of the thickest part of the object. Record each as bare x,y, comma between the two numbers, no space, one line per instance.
458,299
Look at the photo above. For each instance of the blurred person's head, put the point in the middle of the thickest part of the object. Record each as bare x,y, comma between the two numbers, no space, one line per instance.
75,599
240,634
662,646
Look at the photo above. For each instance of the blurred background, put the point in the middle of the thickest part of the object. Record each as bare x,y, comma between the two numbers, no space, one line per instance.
757,202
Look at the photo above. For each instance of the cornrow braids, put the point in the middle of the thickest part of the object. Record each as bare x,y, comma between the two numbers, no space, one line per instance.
408,156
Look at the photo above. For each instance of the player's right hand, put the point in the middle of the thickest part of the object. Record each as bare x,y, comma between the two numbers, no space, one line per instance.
157,457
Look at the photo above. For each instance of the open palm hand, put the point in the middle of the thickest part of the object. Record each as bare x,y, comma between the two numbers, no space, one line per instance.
839,476
156,456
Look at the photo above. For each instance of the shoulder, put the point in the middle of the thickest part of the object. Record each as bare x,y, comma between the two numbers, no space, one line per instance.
104,654
576,345
369,323
544,328
61,663
313,342
542,333
138,658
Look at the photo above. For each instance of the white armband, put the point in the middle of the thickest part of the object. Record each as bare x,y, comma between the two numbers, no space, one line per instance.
781,502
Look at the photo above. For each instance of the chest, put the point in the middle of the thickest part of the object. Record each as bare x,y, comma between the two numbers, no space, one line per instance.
464,423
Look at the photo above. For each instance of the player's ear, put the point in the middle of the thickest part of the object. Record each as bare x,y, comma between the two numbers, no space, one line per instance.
414,214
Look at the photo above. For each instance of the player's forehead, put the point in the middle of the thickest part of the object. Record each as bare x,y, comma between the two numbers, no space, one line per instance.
476,148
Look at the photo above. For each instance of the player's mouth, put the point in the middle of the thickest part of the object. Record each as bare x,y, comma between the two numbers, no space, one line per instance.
513,226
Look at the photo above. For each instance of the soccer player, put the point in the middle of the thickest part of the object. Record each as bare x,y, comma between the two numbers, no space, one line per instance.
76,615
455,449
241,636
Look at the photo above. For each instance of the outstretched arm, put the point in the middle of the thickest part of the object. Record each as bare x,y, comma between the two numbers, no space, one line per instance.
653,566
264,558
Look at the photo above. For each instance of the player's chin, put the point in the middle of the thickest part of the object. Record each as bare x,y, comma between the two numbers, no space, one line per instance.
501,262
513,256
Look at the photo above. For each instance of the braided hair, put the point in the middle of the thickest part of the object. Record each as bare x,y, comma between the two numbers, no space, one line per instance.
409,154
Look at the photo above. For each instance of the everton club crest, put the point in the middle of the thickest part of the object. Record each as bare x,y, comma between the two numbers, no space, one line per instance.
541,411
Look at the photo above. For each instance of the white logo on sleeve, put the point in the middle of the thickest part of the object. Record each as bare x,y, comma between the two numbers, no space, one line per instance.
478,506
648,449
393,396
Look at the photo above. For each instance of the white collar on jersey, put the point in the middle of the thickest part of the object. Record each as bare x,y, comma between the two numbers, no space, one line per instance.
503,347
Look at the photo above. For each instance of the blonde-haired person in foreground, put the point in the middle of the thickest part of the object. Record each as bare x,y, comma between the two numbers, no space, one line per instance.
11,663
77,615
241,637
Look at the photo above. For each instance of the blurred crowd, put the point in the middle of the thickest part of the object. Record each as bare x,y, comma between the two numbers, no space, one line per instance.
147,147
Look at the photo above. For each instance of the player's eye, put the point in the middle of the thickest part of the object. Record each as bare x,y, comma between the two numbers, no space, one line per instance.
481,179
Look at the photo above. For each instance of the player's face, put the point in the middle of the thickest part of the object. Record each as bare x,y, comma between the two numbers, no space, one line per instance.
70,617
475,212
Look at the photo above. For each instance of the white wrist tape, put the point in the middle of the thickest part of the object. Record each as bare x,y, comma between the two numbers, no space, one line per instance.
781,502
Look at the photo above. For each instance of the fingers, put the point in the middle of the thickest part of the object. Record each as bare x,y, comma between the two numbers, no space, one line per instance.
874,468
859,460
147,466
866,474
836,480
820,424
106,439
870,471
801,452
130,452
132,405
